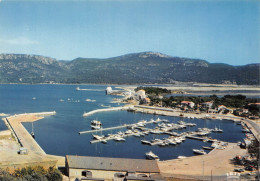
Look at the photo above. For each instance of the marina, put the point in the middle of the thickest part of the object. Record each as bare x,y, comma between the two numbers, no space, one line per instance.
171,140
56,132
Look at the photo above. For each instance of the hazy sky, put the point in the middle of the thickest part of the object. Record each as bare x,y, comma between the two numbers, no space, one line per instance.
218,31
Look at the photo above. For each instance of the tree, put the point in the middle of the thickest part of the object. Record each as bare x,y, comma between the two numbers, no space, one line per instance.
54,174
6,176
253,150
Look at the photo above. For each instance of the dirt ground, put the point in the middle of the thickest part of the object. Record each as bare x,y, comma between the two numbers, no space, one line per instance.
217,162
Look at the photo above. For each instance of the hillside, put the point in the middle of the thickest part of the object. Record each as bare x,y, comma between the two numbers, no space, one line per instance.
145,67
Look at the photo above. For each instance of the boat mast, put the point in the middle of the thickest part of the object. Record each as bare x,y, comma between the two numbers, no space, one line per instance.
32,133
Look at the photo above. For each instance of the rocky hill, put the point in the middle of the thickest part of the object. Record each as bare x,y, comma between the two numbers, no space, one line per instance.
145,67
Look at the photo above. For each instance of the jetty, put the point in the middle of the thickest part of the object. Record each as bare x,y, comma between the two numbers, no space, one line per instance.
106,110
27,152
21,135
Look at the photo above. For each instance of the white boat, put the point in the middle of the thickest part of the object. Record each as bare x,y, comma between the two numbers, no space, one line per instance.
181,157
156,131
200,152
120,133
119,138
245,130
203,133
207,148
90,100
181,122
129,132
172,142
158,120
145,142
217,130
178,140
214,144
151,156
97,137
96,122
96,126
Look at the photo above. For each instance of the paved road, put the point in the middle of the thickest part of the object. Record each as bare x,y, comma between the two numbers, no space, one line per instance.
256,128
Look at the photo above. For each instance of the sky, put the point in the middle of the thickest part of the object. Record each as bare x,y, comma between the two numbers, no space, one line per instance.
218,31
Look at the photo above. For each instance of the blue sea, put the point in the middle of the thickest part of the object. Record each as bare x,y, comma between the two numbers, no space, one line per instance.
58,134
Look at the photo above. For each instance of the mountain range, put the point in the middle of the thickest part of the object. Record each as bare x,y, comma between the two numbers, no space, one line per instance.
144,67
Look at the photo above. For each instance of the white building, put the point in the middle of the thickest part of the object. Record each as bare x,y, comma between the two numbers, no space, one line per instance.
109,90
140,94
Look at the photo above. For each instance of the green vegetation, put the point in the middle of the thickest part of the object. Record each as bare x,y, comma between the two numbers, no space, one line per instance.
234,101
254,109
254,151
127,69
154,90
238,102
32,174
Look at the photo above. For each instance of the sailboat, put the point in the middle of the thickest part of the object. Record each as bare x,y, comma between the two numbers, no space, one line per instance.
32,133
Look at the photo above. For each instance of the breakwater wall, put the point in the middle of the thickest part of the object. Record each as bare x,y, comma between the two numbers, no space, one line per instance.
106,110
35,114
21,135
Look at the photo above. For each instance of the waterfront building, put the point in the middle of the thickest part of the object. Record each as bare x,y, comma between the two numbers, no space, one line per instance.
221,107
140,94
146,100
207,104
109,90
188,103
102,168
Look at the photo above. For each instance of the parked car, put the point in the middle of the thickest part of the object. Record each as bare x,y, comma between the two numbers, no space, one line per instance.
239,170
249,168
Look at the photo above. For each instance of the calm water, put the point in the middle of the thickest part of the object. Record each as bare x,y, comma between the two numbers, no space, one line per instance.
58,134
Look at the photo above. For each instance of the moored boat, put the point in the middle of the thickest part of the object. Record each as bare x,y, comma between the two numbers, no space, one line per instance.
200,152
95,124
145,142
207,148
151,156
